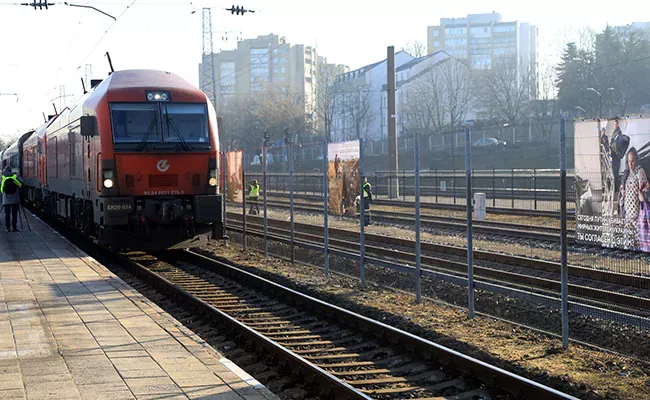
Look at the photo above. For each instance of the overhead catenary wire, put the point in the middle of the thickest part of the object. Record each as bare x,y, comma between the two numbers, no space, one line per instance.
106,33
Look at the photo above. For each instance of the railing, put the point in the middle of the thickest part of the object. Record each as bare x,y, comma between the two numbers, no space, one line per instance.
539,188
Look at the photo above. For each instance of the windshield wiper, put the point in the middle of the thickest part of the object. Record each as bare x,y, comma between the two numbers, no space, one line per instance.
143,142
170,124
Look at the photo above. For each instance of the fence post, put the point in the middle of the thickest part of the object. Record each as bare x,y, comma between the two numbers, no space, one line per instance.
436,181
418,283
264,180
535,186
243,195
512,186
563,238
293,249
494,184
326,210
453,177
362,218
469,206
224,197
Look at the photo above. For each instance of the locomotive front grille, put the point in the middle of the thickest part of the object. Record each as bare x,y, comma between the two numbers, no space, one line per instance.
129,181
163,180
196,180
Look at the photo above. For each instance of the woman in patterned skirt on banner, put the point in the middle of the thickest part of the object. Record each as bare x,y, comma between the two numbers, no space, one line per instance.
636,233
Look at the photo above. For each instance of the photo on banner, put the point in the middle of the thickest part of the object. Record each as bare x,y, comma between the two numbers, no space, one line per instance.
343,175
234,161
612,159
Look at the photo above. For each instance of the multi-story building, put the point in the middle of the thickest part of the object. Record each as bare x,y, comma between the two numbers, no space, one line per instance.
262,65
356,99
480,38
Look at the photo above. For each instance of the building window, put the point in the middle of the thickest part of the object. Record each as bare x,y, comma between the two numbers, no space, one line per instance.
283,70
436,33
436,44
227,73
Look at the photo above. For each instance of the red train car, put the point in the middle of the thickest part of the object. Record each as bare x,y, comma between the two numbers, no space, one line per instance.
134,163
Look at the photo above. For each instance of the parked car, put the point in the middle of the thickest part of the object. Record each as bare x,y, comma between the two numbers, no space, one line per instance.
490,142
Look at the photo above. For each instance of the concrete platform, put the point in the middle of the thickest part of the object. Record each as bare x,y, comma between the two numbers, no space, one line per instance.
70,329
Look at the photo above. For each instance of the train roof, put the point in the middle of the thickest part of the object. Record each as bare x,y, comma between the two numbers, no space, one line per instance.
145,78
13,148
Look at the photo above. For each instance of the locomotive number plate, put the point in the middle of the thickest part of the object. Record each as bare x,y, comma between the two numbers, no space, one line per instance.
118,207
163,192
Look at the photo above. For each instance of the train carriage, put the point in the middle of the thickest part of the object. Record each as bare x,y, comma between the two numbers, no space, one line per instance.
134,163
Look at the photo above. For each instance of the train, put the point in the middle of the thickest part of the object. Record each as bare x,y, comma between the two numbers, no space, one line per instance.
134,164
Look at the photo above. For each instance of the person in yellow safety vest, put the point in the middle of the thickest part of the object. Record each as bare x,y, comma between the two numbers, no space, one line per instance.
253,196
367,199
10,197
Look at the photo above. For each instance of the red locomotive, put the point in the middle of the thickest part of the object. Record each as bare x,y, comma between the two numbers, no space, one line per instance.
134,163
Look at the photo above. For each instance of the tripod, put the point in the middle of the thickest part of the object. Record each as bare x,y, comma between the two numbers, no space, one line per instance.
20,216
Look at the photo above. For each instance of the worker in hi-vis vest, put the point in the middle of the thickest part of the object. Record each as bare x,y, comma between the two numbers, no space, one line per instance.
10,197
253,196
367,199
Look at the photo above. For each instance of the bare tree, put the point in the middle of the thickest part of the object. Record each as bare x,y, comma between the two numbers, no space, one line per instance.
278,109
584,37
247,117
545,107
237,112
424,108
415,48
324,96
439,97
355,107
456,76
506,89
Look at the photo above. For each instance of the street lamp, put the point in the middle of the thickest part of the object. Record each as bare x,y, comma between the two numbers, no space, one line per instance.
580,109
600,96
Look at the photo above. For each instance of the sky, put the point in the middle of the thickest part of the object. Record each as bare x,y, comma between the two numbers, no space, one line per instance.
41,50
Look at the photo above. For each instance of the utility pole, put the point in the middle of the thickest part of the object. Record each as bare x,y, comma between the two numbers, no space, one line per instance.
208,73
208,79
393,190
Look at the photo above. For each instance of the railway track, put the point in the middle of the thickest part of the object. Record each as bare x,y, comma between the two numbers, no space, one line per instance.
437,206
342,355
599,288
492,228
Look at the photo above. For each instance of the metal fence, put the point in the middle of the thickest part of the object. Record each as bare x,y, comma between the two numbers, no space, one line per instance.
525,189
512,254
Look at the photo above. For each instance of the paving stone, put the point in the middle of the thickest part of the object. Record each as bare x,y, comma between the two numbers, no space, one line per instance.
70,329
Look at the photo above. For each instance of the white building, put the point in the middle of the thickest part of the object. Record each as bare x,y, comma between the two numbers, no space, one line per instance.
479,38
357,101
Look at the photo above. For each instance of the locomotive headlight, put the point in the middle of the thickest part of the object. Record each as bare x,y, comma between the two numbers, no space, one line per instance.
108,178
158,96
213,177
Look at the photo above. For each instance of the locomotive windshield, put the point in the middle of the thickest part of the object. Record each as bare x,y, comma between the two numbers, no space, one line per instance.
139,126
